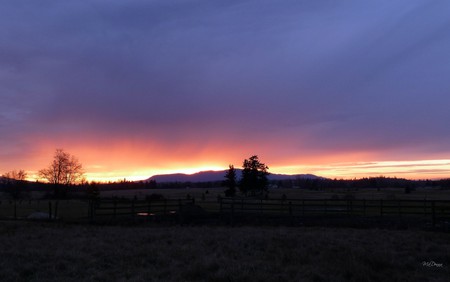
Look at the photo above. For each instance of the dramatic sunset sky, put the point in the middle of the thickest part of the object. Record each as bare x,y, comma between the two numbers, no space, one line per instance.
135,88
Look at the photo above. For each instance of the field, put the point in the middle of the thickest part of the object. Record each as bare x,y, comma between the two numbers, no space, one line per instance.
366,193
212,193
33,251
63,251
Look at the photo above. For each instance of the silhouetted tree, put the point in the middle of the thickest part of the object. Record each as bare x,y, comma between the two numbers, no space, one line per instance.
254,176
64,170
14,182
230,181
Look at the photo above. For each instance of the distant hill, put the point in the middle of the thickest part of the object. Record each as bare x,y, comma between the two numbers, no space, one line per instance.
210,176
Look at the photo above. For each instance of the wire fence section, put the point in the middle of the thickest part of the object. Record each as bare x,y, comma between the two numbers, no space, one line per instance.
181,210
115,209
433,209
45,209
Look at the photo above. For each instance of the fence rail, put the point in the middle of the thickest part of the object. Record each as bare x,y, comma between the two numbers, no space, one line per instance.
44,209
432,209
229,209
114,209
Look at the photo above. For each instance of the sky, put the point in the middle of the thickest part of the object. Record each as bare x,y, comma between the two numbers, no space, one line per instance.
341,89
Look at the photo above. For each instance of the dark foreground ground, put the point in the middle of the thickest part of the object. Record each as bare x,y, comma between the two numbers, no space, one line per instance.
34,251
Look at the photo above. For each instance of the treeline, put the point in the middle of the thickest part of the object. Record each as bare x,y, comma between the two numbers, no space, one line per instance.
18,188
299,183
353,184
151,184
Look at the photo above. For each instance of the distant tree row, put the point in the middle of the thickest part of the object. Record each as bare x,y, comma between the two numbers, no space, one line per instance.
14,183
354,184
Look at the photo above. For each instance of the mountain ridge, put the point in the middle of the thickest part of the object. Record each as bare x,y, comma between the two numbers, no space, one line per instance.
214,175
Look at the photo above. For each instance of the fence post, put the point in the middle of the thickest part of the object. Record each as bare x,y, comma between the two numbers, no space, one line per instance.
261,206
282,208
433,213
364,207
303,208
92,209
381,207
89,209
220,205
56,210
351,207
114,209
348,207
180,215
165,206
50,210
15,209
232,213
132,209
290,214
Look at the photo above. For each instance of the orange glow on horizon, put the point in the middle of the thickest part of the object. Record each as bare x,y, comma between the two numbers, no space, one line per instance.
419,169
424,169
138,160
144,174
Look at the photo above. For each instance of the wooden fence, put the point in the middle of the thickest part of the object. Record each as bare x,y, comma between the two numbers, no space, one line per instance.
223,209
115,209
434,210
44,209
99,210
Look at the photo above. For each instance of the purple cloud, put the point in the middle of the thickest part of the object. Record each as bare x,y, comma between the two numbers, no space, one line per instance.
328,76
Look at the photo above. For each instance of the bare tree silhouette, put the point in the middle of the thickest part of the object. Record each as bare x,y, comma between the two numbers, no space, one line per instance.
64,170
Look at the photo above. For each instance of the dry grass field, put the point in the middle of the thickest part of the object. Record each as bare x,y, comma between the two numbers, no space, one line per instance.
35,251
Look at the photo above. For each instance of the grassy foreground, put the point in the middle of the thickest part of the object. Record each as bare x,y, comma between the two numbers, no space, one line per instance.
33,251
